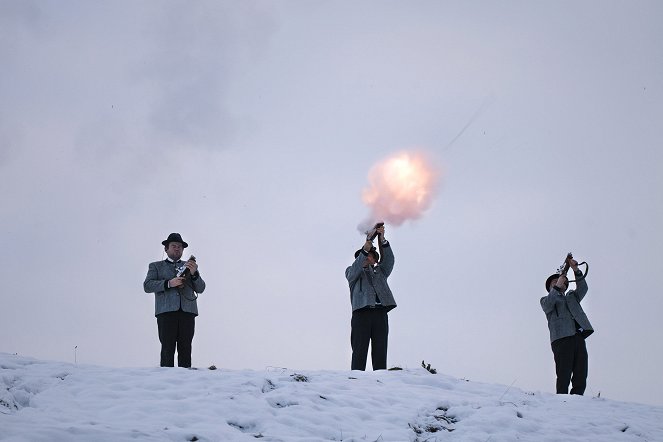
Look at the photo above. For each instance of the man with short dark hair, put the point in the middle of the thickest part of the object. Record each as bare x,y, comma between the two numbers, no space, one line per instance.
371,300
569,327
175,285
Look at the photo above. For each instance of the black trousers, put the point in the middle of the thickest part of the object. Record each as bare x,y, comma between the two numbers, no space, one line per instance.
571,364
369,324
176,331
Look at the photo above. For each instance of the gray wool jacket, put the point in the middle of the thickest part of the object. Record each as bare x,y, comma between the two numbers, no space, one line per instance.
563,311
365,283
172,299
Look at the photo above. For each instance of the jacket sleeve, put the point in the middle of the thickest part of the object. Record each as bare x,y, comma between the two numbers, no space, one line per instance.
548,302
198,284
353,272
581,289
152,284
387,263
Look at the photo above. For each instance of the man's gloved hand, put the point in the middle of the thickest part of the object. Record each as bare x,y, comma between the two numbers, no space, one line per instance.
176,282
562,282
573,264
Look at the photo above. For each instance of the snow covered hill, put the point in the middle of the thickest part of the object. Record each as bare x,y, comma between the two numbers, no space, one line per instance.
54,401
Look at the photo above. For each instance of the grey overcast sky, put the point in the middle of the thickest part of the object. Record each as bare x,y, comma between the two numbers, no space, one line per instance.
250,127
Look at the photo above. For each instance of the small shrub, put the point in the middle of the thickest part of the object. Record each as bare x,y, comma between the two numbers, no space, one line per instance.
428,367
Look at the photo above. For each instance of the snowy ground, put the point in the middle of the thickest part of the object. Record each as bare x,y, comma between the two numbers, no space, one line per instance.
53,401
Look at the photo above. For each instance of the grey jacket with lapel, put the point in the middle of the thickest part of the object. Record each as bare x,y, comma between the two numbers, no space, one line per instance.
365,283
171,299
563,311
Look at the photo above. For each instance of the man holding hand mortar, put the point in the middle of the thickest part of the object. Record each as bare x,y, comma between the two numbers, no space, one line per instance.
175,284
569,327
371,300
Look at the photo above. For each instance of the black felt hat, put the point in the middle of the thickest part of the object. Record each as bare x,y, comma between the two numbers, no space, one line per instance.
175,237
550,279
375,253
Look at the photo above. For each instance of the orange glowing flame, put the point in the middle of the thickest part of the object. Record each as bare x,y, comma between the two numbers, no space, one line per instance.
401,188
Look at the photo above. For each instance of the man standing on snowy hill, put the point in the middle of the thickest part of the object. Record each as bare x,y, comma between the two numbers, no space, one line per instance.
371,300
569,327
175,285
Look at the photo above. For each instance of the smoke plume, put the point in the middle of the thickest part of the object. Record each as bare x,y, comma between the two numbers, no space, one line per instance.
400,188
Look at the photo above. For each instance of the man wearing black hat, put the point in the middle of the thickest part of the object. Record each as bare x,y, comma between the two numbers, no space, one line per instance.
371,300
175,285
569,327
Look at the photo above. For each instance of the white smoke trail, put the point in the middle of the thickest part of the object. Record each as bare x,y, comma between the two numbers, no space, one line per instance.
401,188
